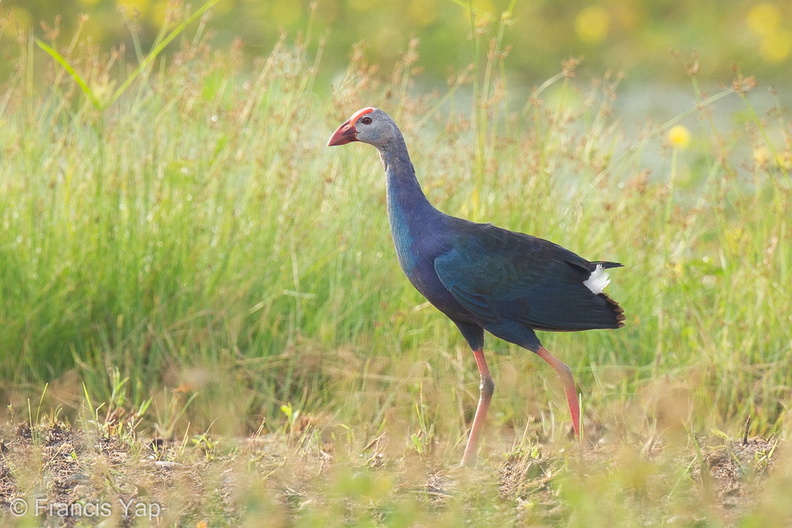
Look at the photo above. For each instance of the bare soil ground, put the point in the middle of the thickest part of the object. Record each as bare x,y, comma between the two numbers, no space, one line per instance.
57,476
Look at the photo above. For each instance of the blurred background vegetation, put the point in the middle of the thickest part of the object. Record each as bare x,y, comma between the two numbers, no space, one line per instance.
632,36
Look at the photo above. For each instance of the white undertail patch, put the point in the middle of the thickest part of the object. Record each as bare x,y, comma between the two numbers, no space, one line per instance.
598,280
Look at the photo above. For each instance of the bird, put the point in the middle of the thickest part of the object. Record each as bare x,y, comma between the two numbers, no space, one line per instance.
483,277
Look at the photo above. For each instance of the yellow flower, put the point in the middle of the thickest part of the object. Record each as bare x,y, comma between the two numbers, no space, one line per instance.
679,136
764,18
776,46
592,24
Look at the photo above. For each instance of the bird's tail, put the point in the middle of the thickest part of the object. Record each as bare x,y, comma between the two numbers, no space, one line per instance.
616,310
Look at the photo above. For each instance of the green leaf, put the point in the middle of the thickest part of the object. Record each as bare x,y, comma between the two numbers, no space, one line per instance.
52,52
159,48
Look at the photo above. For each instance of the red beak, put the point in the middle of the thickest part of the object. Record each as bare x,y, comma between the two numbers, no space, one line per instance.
346,133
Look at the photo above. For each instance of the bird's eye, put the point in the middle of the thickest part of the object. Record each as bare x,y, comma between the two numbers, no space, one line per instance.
365,120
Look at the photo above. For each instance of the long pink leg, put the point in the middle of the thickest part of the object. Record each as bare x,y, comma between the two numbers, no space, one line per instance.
569,386
486,389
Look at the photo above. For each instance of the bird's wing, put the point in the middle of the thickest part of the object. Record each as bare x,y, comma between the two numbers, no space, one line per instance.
498,274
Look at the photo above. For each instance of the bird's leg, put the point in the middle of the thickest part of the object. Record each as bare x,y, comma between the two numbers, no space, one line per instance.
486,388
569,385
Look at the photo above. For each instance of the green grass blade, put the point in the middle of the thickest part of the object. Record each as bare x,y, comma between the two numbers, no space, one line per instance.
52,52
159,48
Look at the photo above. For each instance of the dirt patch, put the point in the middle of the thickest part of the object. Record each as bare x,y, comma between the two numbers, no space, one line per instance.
734,470
67,477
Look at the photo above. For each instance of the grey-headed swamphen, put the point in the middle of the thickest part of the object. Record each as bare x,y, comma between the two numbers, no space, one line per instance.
483,277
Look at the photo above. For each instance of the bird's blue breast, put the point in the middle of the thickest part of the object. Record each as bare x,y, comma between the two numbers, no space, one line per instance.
420,237
412,240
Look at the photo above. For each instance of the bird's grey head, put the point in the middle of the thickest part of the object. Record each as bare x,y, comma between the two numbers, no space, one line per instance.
369,125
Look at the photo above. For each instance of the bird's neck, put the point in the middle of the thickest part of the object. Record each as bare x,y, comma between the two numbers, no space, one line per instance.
407,203
413,220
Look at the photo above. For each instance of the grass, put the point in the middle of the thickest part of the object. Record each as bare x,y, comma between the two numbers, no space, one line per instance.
190,276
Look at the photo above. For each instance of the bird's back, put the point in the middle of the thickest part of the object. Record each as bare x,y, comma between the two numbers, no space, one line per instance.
505,277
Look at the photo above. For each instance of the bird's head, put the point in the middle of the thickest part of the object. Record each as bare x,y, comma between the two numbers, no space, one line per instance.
369,125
